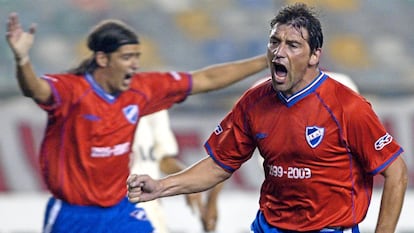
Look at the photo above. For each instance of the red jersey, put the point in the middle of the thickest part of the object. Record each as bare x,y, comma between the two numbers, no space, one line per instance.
321,149
85,152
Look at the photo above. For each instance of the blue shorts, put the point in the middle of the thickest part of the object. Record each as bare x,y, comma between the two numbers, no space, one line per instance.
124,217
260,225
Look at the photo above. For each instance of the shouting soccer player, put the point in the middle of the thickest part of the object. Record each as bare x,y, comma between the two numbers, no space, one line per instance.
321,142
93,111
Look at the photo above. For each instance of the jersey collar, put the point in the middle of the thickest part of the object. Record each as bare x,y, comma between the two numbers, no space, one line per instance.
99,90
304,92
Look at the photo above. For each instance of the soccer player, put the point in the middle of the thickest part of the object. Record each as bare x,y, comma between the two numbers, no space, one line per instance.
322,143
93,110
154,151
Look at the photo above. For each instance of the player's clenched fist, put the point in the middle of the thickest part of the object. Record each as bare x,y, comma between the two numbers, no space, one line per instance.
141,188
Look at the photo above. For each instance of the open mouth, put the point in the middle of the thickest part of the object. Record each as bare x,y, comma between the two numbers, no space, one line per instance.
128,76
280,73
280,70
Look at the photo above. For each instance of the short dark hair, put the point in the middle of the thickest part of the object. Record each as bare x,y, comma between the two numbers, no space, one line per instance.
299,15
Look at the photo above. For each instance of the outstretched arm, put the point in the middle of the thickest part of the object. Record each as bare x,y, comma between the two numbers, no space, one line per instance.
395,185
20,43
170,165
209,209
222,75
201,176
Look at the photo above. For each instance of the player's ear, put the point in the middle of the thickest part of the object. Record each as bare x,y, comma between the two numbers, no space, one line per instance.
101,59
314,58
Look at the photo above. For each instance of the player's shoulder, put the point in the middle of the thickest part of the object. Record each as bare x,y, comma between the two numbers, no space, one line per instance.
261,87
154,80
61,77
344,79
336,92
339,86
69,82
260,90
175,75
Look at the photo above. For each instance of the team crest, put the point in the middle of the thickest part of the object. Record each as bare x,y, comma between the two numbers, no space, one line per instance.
131,113
314,135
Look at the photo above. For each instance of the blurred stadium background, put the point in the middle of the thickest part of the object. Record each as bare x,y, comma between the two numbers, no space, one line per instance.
369,40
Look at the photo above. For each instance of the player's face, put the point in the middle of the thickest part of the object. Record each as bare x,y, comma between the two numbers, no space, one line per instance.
290,60
122,65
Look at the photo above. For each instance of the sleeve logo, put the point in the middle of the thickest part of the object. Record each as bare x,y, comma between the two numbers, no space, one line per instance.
314,135
383,141
218,130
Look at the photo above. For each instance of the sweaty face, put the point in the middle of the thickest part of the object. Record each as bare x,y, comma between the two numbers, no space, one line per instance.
122,65
290,60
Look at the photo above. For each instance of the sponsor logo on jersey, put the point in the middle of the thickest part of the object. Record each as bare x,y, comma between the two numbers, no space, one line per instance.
383,141
261,135
91,117
131,113
314,135
218,130
107,151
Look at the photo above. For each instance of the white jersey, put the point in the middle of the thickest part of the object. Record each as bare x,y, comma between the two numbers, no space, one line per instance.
153,140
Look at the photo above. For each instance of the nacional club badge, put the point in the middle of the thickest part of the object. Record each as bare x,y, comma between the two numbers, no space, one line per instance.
131,113
314,135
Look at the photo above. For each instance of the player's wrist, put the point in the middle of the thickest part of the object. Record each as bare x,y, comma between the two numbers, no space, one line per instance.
22,60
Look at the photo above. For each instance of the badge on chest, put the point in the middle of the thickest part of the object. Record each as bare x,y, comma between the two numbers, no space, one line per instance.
314,135
131,113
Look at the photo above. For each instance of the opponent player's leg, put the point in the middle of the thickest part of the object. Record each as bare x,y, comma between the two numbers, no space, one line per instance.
156,215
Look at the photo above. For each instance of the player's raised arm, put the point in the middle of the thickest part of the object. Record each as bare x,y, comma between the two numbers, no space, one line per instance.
20,43
222,75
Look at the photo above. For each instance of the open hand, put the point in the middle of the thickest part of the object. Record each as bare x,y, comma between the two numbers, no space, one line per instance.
20,41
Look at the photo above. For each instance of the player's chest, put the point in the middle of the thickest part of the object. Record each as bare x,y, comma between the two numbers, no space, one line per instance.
304,130
100,117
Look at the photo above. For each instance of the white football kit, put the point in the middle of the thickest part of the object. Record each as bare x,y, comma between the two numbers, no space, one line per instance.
153,140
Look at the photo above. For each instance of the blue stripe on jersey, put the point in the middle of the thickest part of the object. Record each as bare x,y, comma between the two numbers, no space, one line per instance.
99,90
390,160
304,92
57,98
210,152
190,87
